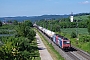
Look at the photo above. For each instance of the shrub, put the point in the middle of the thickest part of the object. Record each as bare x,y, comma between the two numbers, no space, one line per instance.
85,38
73,35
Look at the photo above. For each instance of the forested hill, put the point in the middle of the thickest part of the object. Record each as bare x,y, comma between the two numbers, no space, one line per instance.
81,14
33,18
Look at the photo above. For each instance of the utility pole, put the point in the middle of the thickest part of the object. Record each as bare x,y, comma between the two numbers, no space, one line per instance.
43,25
77,29
51,27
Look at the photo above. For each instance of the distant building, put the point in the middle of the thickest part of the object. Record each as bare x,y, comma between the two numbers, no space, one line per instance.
71,17
3,22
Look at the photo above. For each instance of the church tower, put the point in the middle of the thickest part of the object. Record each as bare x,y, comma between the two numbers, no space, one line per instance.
71,17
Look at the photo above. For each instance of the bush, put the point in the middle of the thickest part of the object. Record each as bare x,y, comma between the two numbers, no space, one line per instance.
0,23
85,38
73,35
88,23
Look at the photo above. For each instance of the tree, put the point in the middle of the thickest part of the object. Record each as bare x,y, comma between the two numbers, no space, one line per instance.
28,23
73,35
16,48
15,22
57,28
0,23
9,21
19,47
89,24
25,30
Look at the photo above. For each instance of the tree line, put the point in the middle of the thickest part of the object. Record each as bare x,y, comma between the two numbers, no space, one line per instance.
56,25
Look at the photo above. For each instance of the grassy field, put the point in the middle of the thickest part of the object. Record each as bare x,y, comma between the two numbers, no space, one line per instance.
55,55
79,30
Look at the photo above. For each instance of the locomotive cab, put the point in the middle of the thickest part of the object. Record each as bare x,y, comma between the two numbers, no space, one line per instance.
66,43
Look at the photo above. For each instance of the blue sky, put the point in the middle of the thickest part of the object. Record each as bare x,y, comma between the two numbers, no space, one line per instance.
42,7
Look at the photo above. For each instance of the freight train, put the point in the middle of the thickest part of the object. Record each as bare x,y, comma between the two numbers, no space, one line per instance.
59,40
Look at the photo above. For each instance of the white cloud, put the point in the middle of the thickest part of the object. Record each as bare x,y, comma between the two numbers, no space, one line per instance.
85,2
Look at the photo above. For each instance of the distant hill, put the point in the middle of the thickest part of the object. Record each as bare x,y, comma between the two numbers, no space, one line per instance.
34,18
43,17
81,14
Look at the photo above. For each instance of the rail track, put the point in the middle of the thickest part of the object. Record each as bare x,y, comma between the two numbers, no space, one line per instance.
73,54
84,55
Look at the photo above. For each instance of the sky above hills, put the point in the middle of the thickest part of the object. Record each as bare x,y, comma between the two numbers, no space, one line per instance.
42,7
